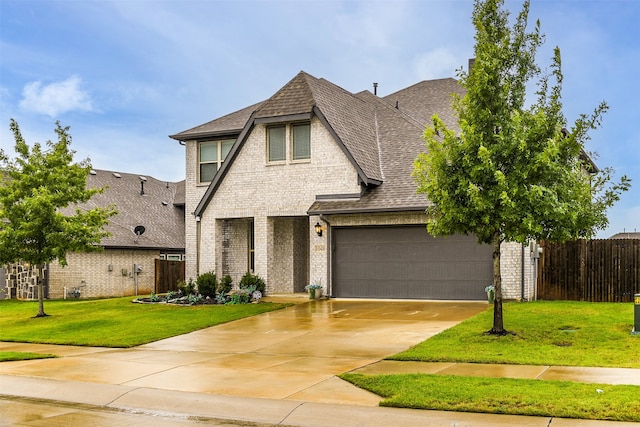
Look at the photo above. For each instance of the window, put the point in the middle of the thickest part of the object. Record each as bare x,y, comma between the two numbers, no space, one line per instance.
211,155
172,257
301,135
276,145
290,141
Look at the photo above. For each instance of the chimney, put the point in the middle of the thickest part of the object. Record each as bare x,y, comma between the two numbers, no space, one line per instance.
375,88
472,61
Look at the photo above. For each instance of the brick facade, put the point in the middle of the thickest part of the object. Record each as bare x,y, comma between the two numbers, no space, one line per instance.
104,274
276,198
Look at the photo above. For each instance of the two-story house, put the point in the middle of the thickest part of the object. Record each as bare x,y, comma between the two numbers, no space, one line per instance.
314,185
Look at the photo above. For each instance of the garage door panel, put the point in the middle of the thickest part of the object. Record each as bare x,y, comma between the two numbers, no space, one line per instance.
407,262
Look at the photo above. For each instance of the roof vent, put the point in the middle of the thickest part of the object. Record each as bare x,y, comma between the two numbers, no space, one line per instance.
164,203
92,172
375,88
117,175
142,178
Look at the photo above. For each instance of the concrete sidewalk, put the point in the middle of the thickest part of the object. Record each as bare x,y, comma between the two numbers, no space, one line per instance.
278,368
615,376
106,405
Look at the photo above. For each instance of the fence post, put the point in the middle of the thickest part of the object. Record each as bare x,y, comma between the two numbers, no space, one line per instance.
636,315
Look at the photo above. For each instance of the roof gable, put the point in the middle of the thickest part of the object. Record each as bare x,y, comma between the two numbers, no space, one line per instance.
380,136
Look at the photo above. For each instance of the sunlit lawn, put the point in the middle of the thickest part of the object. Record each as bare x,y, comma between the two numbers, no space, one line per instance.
504,396
115,322
543,333
9,356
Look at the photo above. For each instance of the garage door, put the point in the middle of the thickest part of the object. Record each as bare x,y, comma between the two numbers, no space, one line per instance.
407,262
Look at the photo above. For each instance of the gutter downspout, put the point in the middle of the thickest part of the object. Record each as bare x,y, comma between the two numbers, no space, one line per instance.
329,254
522,297
198,227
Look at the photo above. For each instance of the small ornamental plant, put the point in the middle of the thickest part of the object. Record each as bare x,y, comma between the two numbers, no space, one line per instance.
313,289
491,292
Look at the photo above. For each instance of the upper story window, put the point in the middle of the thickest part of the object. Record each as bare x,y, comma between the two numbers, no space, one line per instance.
301,136
211,154
291,141
276,143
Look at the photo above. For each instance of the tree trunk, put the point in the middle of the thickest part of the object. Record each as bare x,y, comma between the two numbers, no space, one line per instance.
40,280
498,326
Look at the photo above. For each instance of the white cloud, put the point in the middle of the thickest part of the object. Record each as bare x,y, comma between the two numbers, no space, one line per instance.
438,63
55,98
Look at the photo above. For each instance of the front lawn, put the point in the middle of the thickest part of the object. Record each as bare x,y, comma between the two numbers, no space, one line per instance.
115,322
562,333
11,356
558,333
504,396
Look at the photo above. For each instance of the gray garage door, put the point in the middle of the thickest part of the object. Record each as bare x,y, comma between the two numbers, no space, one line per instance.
407,262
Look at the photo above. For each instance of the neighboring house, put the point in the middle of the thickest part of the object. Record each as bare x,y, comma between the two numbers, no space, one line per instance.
314,185
127,264
626,235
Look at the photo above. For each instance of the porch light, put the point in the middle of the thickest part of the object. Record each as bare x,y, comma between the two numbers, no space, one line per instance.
318,228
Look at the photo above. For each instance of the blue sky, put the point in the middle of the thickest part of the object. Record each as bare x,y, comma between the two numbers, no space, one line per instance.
124,74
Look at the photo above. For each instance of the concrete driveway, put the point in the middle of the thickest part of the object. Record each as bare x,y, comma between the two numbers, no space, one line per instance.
290,354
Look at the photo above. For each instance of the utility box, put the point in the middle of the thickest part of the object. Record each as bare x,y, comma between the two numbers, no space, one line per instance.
636,315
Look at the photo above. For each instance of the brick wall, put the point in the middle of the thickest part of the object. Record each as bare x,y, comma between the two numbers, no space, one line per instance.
512,269
104,274
265,192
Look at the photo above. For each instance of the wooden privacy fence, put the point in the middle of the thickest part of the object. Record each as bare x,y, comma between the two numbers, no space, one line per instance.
590,270
168,273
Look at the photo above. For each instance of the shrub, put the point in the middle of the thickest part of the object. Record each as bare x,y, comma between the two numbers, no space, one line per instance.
221,298
225,285
252,280
207,284
241,296
187,288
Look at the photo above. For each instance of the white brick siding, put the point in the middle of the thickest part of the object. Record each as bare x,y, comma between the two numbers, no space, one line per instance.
277,197
104,274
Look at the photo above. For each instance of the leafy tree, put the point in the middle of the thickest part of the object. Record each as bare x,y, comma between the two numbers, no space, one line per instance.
513,173
39,196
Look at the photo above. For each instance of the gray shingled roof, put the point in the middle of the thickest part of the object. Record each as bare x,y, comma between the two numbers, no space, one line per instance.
423,100
160,210
400,133
380,139
626,235
229,124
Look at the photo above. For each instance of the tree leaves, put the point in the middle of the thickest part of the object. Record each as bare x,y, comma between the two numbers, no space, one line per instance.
36,187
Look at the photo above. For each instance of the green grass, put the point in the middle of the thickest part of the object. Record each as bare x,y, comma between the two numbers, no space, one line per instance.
561,333
544,333
115,322
10,356
504,396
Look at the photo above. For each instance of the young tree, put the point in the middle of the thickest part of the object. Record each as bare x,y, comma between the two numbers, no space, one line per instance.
512,173
34,190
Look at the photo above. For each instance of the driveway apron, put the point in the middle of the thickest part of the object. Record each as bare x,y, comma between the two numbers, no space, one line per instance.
294,353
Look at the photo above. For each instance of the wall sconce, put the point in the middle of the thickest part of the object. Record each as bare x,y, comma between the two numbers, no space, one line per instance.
318,228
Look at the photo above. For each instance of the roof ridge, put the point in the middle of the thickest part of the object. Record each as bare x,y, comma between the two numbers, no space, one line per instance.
420,83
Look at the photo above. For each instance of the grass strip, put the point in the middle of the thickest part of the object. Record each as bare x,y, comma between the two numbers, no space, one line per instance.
561,399
115,322
564,333
11,356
